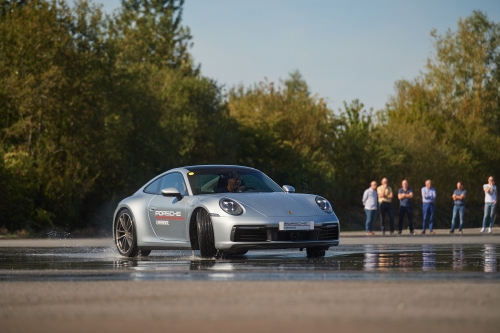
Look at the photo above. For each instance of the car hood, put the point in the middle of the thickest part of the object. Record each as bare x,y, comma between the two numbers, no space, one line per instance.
275,203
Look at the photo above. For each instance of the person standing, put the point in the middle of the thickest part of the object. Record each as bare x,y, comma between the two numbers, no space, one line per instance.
370,204
459,207
405,196
490,202
428,198
384,193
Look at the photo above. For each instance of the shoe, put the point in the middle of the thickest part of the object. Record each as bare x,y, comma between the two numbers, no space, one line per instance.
489,230
482,230
399,232
412,232
369,233
423,232
432,233
451,231
383,232
461,232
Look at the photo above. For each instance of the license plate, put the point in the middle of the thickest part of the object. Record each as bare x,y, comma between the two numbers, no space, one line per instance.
297,225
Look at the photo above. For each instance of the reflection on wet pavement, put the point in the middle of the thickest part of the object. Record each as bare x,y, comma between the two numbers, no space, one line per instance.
458,258
490,258
372,262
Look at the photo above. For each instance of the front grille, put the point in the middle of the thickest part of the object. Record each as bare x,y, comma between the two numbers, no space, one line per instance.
264,234
328,232
295,236
249,234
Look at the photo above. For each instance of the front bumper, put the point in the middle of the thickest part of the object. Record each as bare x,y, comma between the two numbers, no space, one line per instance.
239,233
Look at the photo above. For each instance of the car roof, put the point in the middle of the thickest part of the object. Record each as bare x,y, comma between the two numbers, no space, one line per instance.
211,166
216,166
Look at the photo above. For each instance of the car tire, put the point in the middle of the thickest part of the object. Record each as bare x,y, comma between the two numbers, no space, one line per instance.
144,253
205,230
125,234
315,252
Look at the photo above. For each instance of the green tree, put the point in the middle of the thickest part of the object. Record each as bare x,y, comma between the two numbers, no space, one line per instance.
52,68
93,106
353,155
284,132
150,31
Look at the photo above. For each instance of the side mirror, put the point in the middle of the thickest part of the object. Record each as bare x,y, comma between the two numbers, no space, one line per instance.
171,192
288,189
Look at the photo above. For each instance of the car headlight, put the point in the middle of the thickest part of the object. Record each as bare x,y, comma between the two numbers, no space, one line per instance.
230,206
324,205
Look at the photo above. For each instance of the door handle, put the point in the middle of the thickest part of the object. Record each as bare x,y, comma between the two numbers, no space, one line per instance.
152,208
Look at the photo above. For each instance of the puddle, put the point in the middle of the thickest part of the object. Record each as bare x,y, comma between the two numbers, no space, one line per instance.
346,262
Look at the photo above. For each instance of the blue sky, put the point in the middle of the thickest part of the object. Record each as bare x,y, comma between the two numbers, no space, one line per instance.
344,49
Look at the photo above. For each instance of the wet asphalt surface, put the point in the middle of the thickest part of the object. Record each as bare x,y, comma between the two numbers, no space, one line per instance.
411,262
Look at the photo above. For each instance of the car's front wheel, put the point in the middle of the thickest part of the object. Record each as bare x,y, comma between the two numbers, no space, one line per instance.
125,235
205,232
315,252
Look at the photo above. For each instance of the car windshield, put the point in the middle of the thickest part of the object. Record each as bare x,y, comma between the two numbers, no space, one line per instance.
214,180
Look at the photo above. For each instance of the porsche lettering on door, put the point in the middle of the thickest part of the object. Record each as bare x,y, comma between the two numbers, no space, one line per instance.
168,213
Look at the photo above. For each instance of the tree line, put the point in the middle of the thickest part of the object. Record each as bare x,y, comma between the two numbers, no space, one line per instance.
93,105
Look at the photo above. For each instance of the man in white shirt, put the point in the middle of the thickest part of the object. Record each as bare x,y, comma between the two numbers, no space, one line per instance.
490,202
370,203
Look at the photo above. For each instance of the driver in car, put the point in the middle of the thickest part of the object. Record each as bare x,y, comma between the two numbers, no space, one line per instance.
233,184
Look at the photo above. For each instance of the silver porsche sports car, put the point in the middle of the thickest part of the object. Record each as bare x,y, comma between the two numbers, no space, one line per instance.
222,210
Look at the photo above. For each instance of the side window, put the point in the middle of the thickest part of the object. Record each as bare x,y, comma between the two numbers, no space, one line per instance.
153,188
176,180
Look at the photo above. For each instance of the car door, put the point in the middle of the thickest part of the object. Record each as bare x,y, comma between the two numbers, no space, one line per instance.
168,214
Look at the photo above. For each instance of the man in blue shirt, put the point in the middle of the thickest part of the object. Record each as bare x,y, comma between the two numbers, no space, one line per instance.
459,198
405,196
428,198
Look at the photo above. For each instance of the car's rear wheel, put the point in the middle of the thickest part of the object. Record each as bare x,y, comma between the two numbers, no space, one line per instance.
205,230
315,252
125,235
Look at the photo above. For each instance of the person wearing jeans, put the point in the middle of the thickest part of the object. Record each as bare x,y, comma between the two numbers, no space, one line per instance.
459,206
490,201
384,193
428,198
405,196
370,204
